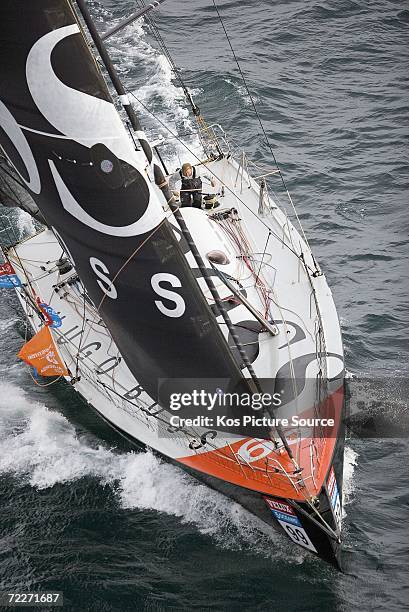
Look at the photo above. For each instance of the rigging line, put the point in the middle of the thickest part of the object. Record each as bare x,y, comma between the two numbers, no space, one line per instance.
244,82
155,30
262,257
321,325
21,266
77,362
30,304
235,232
46,384
133,17
139,407
260,121
132,255
291,364
51,261
196,111
85,321
177,72
75,302
35,279
82,340
188,431
217,177
91,309
145,411
71,342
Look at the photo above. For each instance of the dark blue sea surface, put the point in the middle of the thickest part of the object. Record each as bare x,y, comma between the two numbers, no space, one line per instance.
117,530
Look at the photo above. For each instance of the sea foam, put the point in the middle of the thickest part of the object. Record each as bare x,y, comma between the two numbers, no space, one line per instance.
42,448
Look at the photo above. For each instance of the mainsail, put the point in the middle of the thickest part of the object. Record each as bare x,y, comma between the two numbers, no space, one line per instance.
63,136
149,275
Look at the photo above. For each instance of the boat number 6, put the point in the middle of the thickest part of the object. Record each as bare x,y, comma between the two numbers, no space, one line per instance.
255,449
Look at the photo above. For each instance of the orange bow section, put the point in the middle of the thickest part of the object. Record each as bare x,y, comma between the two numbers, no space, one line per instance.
41,353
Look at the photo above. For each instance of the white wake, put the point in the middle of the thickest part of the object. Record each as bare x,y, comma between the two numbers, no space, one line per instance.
42,448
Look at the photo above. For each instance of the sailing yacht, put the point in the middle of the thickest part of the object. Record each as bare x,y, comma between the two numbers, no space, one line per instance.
207,333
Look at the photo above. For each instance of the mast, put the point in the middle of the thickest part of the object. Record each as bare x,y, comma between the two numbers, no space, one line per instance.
116,81
158,174
77,162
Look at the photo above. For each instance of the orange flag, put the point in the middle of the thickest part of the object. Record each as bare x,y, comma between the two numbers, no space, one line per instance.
41,353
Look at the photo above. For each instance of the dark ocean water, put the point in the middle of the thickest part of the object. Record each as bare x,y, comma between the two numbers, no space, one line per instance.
81,511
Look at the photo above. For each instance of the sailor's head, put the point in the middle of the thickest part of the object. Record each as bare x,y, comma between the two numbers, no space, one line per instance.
187,170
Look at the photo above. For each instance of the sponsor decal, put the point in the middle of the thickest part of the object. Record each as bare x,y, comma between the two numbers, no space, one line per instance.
8,277
52,318
333,494
289,521
283,512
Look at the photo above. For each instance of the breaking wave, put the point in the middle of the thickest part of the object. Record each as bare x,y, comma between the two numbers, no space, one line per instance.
348,489
42,448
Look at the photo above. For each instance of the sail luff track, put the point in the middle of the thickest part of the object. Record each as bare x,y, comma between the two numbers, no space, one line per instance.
96,37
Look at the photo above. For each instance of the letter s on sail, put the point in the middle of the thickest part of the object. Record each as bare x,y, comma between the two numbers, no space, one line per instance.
180,306
87,120
105,283
143,225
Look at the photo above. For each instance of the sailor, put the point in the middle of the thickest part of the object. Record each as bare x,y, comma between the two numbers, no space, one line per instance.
191,185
